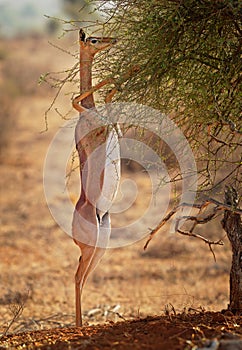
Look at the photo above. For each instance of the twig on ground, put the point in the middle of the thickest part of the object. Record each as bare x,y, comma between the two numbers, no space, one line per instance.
16,309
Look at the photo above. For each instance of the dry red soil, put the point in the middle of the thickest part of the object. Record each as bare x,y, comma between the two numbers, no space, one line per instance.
161,332
176,278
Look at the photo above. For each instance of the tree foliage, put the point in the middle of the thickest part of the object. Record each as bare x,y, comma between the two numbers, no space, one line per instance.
186,55
189,54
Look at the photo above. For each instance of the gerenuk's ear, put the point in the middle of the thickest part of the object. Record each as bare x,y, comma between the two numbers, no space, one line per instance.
82,35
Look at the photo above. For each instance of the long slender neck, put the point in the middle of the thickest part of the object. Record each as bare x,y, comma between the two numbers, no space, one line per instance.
86,61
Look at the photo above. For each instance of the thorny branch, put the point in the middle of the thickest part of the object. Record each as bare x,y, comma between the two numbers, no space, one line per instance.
215,206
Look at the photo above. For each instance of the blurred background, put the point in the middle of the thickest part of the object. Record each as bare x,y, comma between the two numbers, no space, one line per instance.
26,17
30,17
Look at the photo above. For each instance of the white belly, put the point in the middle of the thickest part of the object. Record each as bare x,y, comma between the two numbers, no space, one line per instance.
111,174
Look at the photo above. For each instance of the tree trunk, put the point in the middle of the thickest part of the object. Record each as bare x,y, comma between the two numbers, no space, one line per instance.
233,227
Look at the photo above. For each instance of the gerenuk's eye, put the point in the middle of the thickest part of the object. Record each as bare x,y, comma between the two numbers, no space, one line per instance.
94,41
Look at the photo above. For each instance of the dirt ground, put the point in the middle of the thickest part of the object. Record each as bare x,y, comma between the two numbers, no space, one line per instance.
185,331
167,297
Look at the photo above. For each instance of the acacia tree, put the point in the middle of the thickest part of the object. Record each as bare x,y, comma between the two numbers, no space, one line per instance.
185,57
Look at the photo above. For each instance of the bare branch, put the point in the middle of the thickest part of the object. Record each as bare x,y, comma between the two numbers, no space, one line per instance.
205,240
158,227
224,206
217,206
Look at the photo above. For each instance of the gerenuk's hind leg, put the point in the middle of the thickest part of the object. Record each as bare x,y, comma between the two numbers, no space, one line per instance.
80,278
91,255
